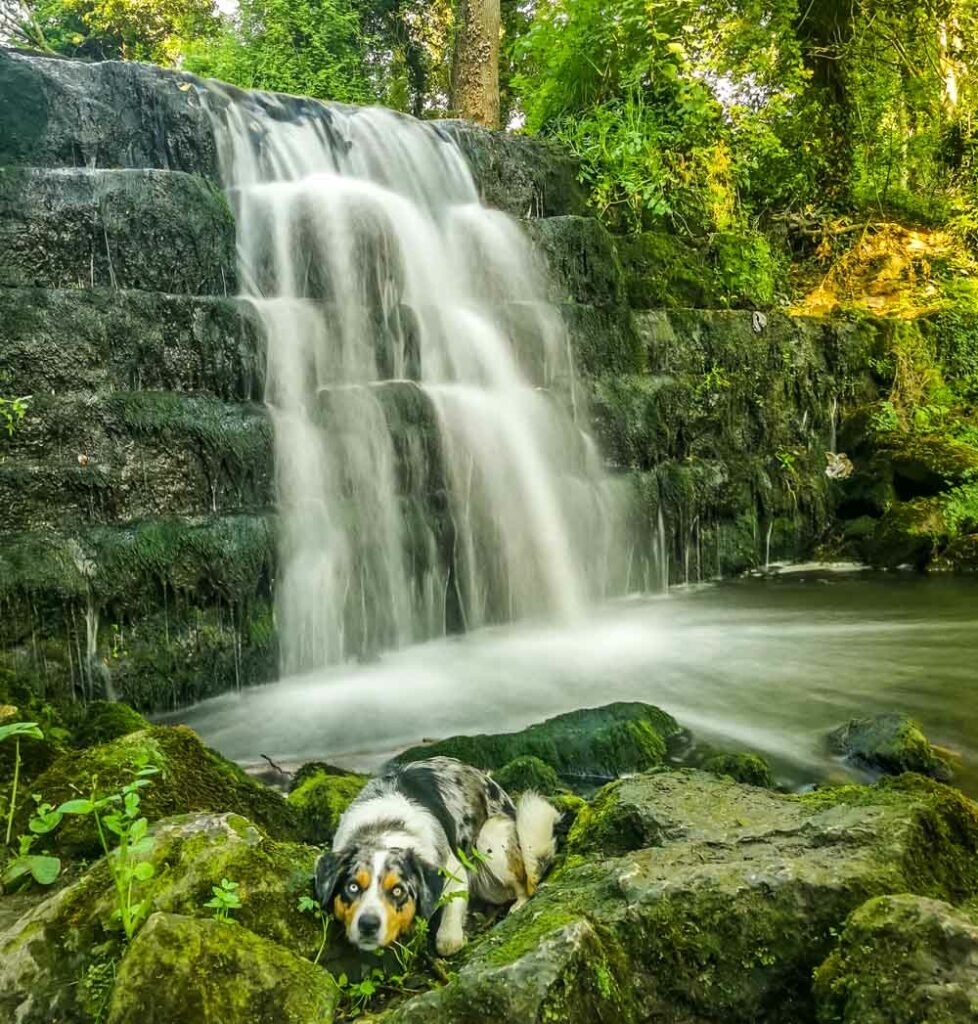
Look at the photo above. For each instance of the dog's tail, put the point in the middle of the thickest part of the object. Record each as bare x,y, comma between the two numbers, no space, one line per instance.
535,821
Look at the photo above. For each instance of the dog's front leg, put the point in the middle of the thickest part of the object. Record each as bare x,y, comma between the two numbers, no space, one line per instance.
451,932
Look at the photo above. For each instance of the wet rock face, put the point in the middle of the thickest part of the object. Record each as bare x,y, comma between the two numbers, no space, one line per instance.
62,113
523,176
900,960
156,231
890,743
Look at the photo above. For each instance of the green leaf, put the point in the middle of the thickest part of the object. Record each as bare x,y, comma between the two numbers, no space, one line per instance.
44,823
143,871
21,729
45,869
76,807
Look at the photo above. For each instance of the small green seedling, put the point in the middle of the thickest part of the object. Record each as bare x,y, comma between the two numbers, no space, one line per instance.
224,901
307,905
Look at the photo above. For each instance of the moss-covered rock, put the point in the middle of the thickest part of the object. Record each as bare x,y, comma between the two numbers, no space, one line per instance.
750,769
100,721
901,960
523,773
74,934
569,972
909,533
592,743
191,778
100,339
889,743
706,900
319,801
181,969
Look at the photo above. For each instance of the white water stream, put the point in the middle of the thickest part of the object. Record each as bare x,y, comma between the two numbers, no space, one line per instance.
430,475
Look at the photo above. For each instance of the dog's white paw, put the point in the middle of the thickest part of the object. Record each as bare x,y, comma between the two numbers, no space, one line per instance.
449,943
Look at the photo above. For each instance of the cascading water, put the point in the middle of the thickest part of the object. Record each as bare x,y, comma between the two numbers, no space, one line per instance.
430,475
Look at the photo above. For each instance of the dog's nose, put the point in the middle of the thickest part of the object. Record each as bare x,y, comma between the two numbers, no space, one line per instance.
369,925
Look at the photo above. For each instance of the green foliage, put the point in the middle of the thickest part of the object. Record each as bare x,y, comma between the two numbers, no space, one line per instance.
150,30
307,905
14,731
224,901
305,47
12,411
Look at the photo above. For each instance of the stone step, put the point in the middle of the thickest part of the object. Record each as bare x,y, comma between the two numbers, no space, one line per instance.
151,230
159,612
64,113
107,340
128,455
61,340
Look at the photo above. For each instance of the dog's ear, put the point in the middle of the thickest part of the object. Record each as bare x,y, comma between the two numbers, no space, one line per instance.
430,886
328,869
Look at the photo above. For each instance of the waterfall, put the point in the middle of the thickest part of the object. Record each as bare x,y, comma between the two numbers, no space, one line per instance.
430,474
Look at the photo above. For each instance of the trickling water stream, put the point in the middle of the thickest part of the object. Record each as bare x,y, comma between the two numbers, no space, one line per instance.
430,474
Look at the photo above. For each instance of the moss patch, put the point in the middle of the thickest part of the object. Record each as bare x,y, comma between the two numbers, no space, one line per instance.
319,801
594,743
182,969
191,778
900,960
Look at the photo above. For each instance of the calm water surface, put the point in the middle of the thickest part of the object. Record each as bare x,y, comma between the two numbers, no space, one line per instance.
768,665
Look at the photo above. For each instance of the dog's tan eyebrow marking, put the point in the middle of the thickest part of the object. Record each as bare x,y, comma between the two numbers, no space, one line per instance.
362,878
390,880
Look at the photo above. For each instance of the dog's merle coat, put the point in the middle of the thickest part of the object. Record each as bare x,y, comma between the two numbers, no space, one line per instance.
395,853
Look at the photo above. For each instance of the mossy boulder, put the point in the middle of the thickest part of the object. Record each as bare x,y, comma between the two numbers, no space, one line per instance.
191,778
523,773
910,533
183,969
101,721
889,743
901,960
71,933
705,900
320,800
594,743
750,769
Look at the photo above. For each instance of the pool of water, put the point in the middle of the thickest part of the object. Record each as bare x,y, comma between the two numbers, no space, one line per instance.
765,664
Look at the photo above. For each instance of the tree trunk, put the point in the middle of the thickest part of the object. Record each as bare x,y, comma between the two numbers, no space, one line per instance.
475,69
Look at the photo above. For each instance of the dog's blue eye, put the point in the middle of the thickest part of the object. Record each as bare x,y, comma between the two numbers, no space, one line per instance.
353,888
397,892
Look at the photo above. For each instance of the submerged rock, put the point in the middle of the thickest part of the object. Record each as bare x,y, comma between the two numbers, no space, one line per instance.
523,773
592,743
890,743
751,769
901,960
319,801
183,970
191,778
704,900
